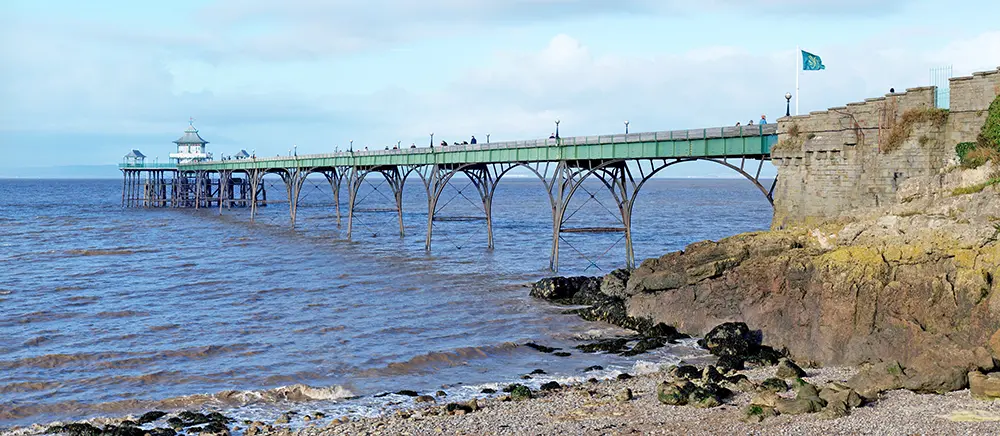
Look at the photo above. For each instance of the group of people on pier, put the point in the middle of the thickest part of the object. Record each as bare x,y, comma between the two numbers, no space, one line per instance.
763,121
469,142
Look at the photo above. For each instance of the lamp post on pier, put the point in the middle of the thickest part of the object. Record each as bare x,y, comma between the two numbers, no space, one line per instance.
788,104
296,148
432,139
557,128
350,148
626,127
487,138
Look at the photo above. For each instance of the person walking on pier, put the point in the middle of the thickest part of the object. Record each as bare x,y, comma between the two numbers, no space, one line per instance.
473,140
763,120
552,136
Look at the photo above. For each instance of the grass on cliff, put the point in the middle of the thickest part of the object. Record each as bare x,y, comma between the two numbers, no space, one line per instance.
987,146
903,128
792,142
989,136
976,188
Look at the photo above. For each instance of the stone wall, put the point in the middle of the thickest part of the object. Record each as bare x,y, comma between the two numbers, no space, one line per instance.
845,161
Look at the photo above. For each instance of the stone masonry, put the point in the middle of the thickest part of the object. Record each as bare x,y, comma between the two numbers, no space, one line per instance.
838,163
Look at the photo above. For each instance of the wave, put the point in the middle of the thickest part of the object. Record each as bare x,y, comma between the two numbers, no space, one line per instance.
108,251
121,314
115,360
228,398
437,359
36,341
39,316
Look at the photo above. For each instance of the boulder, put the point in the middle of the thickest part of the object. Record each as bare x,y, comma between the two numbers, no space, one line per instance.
788,369
149,417
674,393
685,372
984,386
710,374
563,289
837,408
189,418
614,283
837,391
807,400
703,399
730,339
797,406
766,398
424,399
764,356
754,413
457,409
213,428
128,430
645,345
540,348
549,386
624,395
741,383
520,392
614,345
883,376
75,429
938,374
774,384
730,363
807,390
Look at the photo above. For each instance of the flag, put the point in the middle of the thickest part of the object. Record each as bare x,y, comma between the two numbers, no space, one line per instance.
811,62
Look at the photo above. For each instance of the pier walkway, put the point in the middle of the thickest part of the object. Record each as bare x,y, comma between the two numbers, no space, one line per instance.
623,163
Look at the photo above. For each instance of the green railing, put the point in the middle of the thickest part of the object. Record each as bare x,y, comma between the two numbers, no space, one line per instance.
749,141
148,166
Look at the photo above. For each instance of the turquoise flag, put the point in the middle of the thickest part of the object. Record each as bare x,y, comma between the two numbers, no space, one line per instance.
811,62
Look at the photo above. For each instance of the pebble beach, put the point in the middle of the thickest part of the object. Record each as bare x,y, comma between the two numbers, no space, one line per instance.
599,409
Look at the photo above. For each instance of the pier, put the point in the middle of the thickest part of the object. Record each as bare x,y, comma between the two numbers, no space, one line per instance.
623,163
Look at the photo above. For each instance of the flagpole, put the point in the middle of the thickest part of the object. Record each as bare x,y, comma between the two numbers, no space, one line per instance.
798,54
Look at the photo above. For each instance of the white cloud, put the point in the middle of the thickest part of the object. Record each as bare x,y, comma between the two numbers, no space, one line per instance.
69,82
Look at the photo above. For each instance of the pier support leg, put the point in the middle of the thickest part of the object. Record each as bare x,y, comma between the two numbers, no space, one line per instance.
225,195
335,177
294,178
396,179
256,178
355,180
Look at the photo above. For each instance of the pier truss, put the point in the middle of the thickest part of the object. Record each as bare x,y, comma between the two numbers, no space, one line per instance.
619,165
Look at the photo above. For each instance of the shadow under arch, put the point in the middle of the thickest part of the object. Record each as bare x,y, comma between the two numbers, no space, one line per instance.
617,176
485,177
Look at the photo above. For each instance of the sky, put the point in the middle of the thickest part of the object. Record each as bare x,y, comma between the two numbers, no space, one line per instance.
82,83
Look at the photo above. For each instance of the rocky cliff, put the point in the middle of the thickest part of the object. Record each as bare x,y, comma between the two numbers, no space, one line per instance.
917,282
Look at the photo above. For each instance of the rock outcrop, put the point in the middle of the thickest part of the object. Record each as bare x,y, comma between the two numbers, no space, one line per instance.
917,284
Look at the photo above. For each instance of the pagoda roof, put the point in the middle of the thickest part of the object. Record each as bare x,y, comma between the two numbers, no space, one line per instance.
136,154
191,136
242,154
